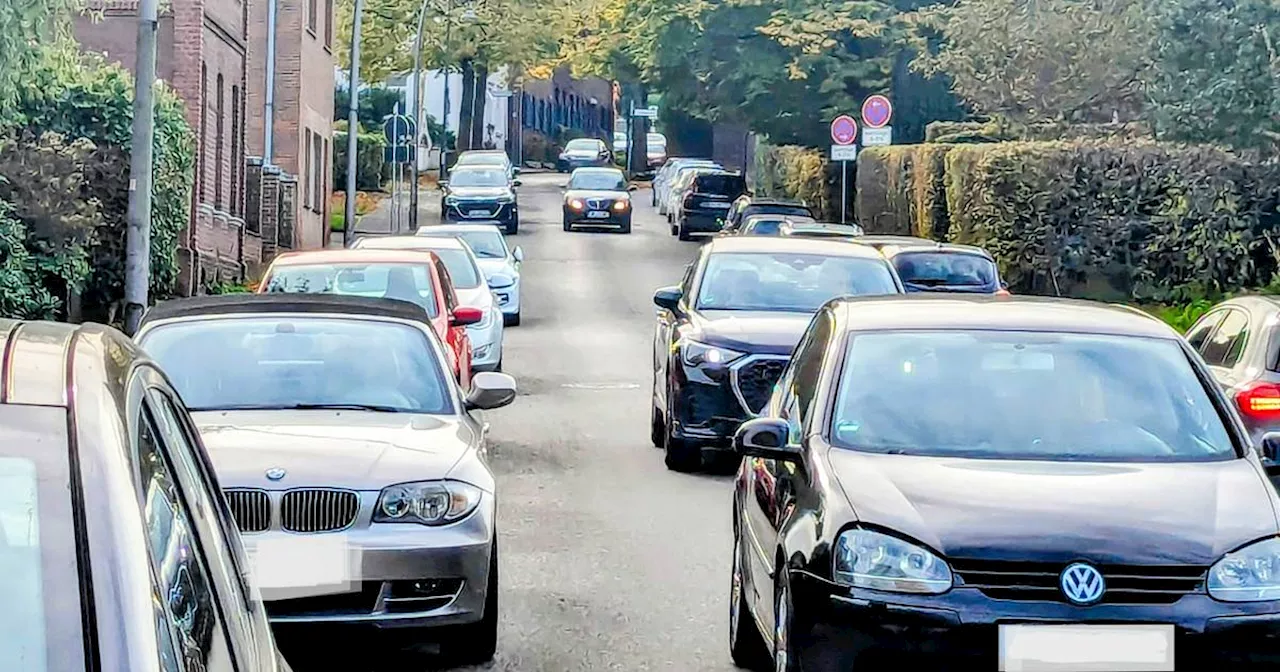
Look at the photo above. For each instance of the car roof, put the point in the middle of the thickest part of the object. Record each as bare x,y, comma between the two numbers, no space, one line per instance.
925,311
754,201
458,228
878,239
483,152
284,302
784,216
354,255
894,249
37,356
411,243
595,169
802,225
775,244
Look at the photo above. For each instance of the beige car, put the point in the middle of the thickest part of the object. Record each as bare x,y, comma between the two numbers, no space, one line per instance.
355,467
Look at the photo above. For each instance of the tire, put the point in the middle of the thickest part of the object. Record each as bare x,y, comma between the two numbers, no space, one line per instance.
682,233
626,226
567,225
657,428
498,368
680,455
511,320
513,226
476,643
746,645
784,657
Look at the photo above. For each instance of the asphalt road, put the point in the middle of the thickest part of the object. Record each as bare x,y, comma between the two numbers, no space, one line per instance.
607,560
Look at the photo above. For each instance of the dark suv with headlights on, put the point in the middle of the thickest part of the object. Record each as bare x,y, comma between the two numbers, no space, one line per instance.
961,482
597,197
704,203
481,194
725,333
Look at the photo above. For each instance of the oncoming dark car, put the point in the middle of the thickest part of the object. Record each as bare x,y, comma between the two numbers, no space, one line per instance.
724,334
481,194
962,482
117,549
597,197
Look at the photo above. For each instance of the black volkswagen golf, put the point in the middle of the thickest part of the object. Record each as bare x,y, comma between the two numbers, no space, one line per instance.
724,334
1018,484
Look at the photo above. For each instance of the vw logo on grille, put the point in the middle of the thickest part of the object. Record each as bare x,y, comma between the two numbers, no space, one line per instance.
275,473
1082,584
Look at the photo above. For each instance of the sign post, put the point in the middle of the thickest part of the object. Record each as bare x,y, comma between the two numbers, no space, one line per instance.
399,130
844,133
876,113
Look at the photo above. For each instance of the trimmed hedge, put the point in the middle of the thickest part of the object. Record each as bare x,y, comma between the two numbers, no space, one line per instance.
1112,220
800,173
999,130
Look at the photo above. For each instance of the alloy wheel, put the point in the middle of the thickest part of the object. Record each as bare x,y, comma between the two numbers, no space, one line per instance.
781,623
735,594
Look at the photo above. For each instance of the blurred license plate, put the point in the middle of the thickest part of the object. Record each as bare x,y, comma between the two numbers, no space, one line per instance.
477,213
598,215
302,565
715,204
1086,648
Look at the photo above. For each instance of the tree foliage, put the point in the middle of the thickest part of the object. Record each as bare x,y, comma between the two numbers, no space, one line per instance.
24,26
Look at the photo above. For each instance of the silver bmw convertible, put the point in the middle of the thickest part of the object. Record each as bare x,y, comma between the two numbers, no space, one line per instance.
353,464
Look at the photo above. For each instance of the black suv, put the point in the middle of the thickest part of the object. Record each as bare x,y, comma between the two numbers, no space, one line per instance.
748,205
481,194
703,205
725,333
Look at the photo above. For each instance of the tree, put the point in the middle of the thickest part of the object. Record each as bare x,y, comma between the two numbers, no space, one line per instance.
376,103
1041,60
24,25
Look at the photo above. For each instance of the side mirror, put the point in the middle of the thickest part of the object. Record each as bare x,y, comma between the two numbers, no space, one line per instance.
518,253
463,316
1271,447
668,297
515,170
490,390
515,183
767,438
443,184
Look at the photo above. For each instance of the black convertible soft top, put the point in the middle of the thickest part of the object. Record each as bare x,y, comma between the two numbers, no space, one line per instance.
282,302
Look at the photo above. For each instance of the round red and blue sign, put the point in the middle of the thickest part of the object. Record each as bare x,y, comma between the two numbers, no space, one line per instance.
876,111
844,130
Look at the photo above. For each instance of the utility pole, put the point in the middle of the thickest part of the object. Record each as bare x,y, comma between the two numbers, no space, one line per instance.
137,261
444,142
353,127
418,125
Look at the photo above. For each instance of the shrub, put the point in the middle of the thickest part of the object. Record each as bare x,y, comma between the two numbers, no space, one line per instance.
1117,220
372,169
884,199
798,173
22,292
1000,130
80,96
929,192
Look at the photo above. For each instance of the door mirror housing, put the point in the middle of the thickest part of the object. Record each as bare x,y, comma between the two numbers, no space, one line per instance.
766,438
515,170
668,297
465,315
490,390
444,184
518,254
1271,447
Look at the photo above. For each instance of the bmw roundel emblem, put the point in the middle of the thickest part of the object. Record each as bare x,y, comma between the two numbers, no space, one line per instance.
1082,583
275,473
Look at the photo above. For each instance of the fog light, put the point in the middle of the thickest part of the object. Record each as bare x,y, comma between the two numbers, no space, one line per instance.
480,352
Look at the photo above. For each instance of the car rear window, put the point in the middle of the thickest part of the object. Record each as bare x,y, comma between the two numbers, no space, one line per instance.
793,210
945,269
39,585
727,185
406,282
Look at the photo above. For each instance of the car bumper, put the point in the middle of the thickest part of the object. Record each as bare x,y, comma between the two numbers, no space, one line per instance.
400,576
703,222
484,212
615,218
960,630
704,408
486,342
573,164
509,299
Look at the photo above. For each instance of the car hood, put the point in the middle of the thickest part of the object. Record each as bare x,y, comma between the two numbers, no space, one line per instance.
596,193
477,297
359,450
1108,513
492,265
751,331
478,192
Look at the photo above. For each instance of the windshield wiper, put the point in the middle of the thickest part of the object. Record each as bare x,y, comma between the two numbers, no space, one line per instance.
378,408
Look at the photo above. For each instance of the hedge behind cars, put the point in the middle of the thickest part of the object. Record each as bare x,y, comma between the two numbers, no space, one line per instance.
1107,219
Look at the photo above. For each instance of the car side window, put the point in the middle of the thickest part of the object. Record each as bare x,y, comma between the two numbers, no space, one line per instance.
186,593
1226,344
801,377
446,288
686,283
1199,332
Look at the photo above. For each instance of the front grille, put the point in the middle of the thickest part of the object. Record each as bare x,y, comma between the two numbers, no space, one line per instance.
318,510
754,379
250,508
599,203
1039,581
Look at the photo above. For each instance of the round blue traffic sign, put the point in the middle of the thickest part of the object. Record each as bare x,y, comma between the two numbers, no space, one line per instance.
844,130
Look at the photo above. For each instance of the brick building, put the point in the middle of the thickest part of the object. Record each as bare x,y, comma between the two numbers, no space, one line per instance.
302,128
550,108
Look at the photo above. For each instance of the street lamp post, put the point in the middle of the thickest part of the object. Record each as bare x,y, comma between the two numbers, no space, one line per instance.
353,126
417,115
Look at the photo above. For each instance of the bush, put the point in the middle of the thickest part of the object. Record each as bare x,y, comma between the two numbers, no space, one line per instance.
22,292
798,173
884,201
1118,220
80,96
1000,130
372,169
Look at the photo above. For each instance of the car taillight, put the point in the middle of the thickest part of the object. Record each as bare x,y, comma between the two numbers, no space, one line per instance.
1260,401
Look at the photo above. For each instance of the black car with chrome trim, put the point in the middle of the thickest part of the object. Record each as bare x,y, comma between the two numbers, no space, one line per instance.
725,333
481,194
964,481
597,197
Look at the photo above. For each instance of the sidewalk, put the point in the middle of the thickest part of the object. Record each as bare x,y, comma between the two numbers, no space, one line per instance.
392,216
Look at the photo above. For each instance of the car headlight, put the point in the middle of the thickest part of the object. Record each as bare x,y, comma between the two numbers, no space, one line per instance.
427,502
506,198
868,559
450,200
622,205
575,204
694,353
1251,574
499,280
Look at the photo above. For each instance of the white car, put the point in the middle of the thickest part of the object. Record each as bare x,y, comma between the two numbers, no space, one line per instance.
674,189
662,179
499,262
468,283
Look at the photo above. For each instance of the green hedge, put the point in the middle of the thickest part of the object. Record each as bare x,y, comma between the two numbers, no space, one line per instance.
82,97
999,130
372,169
1114,220
799,173
901,190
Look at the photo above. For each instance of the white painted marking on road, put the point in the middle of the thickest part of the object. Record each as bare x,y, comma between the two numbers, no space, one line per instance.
601,386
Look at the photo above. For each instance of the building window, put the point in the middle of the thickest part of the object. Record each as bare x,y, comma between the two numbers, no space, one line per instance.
328,23
217,152
317,173
237,167
326,169
313,14
201,145
306,179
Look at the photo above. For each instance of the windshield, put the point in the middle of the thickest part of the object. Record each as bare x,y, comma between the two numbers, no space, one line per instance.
729,185
1025,395
463,271
788,282
598,180
406,282
469,159
945,269
765,227
478,177
582,145
300,361
796,210
484,243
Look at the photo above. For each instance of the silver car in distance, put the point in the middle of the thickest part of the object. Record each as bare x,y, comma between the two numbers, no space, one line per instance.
354,466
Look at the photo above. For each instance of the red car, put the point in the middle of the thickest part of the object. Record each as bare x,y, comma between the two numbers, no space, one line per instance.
416,276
